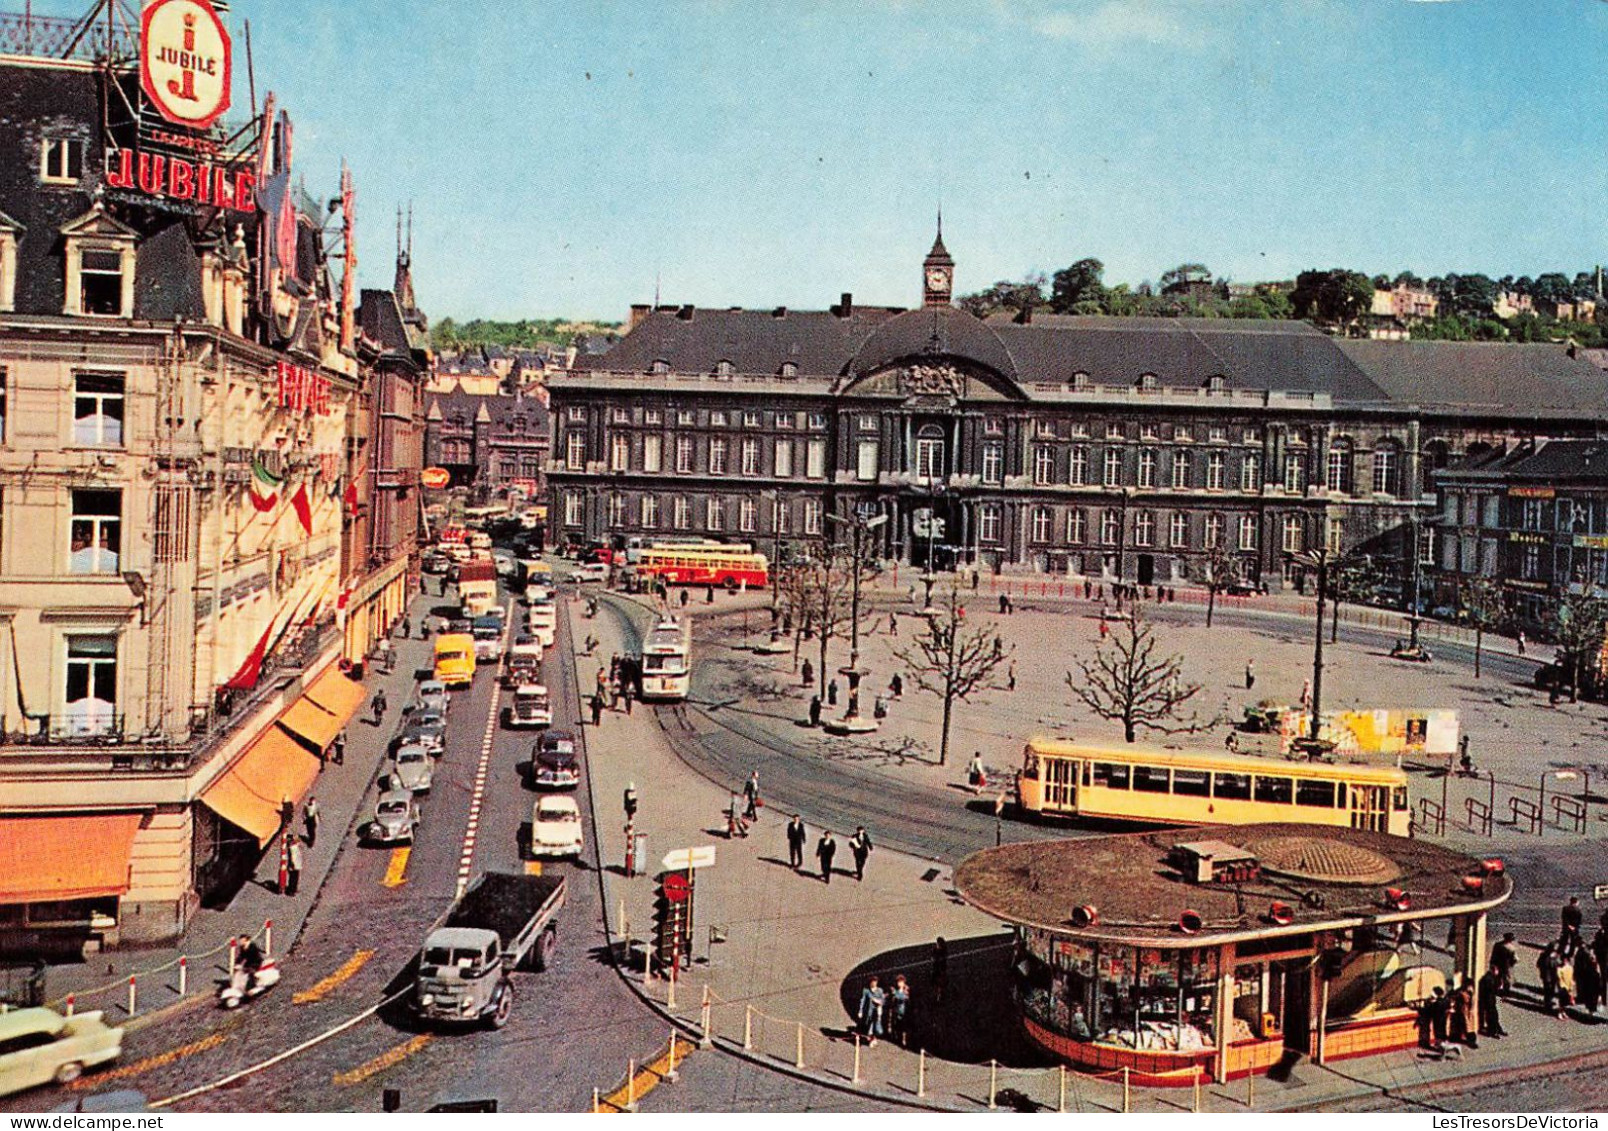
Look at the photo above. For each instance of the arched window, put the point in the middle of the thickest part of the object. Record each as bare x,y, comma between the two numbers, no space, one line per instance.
1337,467
1387,468
930,452
1436,455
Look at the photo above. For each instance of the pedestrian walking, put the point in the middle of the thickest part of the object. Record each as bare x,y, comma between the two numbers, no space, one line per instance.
310,821
975,578
1250,674
860,846
797,837
831,693
1489,992
873,1000
1588,980
709,596
751,797
1504,960
893,624
626,695
807,672
815,710
1519,640
685,597
999,646
1599,947
338,752
896,685
1571,917
597,708
1010,678
1436,1012
1105,629
1306,694
976,776
293,867
1546,967
898,1023
735,825
825,849
378,705
602,680
940,968
1004,604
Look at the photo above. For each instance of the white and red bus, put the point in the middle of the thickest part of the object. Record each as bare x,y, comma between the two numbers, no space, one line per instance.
705,563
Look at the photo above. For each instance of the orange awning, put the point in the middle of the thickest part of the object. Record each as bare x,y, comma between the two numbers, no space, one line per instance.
324,709
337,694
65,857
274,769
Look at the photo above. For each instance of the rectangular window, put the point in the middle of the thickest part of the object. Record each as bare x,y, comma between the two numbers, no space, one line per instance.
1149,431
1337,470
750,419
1217,435
620,416
815,460
868,423
866,461
683,455
781,517
96,534
1078,472
1144,529
650,511
714,514
619,453
1044,429
1214,471
1337,535
652,453
784,459
1251,436
929,457
993,426
993,462
750,458
1110,527
1041,524
575,451
1080,429
782,420
1178,531
1192,783
1147,468
577,414
717,420
4,405
1294,472
1113,431
686,417
61,160
1075,527
1111,775
1214,531
1251,473
1275,791
682,516
1181,434
98,408
1293,541
1247,532
652,416
1043,465
817,422
1113,467
812,516
1319,794
574,509
91,689
988,522
616,511
747,515
717,456
1232,787
1384,471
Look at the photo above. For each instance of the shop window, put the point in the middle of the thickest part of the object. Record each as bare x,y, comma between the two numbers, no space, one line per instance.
1151,779
1232,787
1111,775
1319,794
96,535
1274,791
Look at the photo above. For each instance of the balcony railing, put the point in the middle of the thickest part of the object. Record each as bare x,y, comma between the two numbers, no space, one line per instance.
63,37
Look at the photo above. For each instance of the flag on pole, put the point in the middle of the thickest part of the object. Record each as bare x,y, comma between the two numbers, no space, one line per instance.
264,487
246,678
304,508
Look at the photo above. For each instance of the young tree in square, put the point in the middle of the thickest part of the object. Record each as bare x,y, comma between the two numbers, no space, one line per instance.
1482,605
1222,570
1577,626
953,660
1354,580
820,594
1131,680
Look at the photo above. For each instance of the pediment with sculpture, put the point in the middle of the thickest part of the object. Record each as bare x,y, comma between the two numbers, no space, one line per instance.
930,380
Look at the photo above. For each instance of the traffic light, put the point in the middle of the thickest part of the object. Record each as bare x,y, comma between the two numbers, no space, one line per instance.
672,920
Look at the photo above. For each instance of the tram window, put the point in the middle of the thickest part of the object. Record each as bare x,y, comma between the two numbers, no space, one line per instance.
1232,787
1112,775
1316,793
1398,799
1151,779
1192,783
1275,790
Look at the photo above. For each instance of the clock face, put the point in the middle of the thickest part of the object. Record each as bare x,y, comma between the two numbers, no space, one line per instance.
937,279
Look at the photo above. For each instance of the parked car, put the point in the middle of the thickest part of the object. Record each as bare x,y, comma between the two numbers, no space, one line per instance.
396,818
555,827
431,695
412,770
427,729
39,1046
530,707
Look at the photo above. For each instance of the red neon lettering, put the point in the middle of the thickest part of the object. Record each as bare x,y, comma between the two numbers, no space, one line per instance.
203,184
181,179
152,166
245,199
122,175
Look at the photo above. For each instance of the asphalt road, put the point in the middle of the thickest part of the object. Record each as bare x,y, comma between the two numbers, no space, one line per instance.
573,1027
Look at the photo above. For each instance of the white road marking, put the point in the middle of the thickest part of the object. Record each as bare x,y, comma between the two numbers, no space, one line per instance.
467,859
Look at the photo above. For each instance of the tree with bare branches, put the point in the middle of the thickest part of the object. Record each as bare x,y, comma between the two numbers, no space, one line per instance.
1481,601
953,660
1222,570
1131,681
818,593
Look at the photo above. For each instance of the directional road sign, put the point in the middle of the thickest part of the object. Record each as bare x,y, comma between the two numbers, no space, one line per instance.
684,858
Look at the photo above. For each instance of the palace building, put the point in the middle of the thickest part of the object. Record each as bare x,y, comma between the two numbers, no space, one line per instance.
1129,448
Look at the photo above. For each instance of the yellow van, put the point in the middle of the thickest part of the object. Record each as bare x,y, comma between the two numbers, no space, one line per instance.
455,659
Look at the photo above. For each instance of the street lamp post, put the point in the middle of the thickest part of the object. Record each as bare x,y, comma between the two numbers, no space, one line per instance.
860,526
1317,559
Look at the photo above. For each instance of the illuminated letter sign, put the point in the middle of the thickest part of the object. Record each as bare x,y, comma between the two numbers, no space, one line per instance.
184,61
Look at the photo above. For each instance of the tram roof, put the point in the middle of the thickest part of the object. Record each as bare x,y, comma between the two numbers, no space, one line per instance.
1214,760
1332,879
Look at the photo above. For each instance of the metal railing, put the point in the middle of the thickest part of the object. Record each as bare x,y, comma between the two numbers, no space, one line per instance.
63,37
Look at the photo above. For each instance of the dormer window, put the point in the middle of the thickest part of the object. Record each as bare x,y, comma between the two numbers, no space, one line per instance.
1080,381
100,281
789,369
61,160
1147,382
725,368
659,368
1214,384
100,266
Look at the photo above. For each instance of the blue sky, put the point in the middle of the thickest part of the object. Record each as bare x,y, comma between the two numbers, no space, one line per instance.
561,155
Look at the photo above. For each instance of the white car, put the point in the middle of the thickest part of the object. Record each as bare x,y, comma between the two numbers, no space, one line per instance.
39,1046
591,571
544,624
531,707
555,827
412,770
432,695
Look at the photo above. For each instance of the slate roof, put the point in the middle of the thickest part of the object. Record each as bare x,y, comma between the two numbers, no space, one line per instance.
167,277
380,317
1543,460
935,330
818,342
1531,379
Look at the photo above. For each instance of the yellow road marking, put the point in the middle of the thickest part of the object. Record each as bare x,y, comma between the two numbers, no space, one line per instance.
395,871
388,1059
145,1065
648,1077
324,988
533,867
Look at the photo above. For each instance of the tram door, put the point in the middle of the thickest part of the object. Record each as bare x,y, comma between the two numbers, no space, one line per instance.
1370,807
1061,783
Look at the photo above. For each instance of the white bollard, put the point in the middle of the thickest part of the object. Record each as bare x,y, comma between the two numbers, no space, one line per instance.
670,1073
597,1100
647,965
670,998
856,1077
748,1026
132,995
798,1059
1061,1107
993,1081
268,938
70,1002
184,975
234,955
921,1074
630,1085
1127,1092
705,1023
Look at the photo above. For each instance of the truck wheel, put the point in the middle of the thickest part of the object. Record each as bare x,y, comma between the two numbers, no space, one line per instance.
542,953
504,1008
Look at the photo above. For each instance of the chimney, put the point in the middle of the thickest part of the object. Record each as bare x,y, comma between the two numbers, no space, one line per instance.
846,306
686,312
639,315
779,312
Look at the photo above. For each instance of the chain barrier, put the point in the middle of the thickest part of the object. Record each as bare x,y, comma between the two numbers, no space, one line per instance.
135,978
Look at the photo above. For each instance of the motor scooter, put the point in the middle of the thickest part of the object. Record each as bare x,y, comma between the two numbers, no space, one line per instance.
243,985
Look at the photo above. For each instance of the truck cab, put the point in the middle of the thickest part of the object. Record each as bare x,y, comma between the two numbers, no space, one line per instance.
530,707
461,975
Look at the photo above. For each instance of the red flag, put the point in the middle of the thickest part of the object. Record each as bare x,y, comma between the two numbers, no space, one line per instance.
246,678
351,498
304,508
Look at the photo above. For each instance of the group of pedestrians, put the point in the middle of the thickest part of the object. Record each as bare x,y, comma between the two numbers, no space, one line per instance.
1571,971
798,837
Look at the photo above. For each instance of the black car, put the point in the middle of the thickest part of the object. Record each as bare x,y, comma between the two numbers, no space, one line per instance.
554,764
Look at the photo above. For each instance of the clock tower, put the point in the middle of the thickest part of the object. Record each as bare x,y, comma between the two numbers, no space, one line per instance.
937,272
